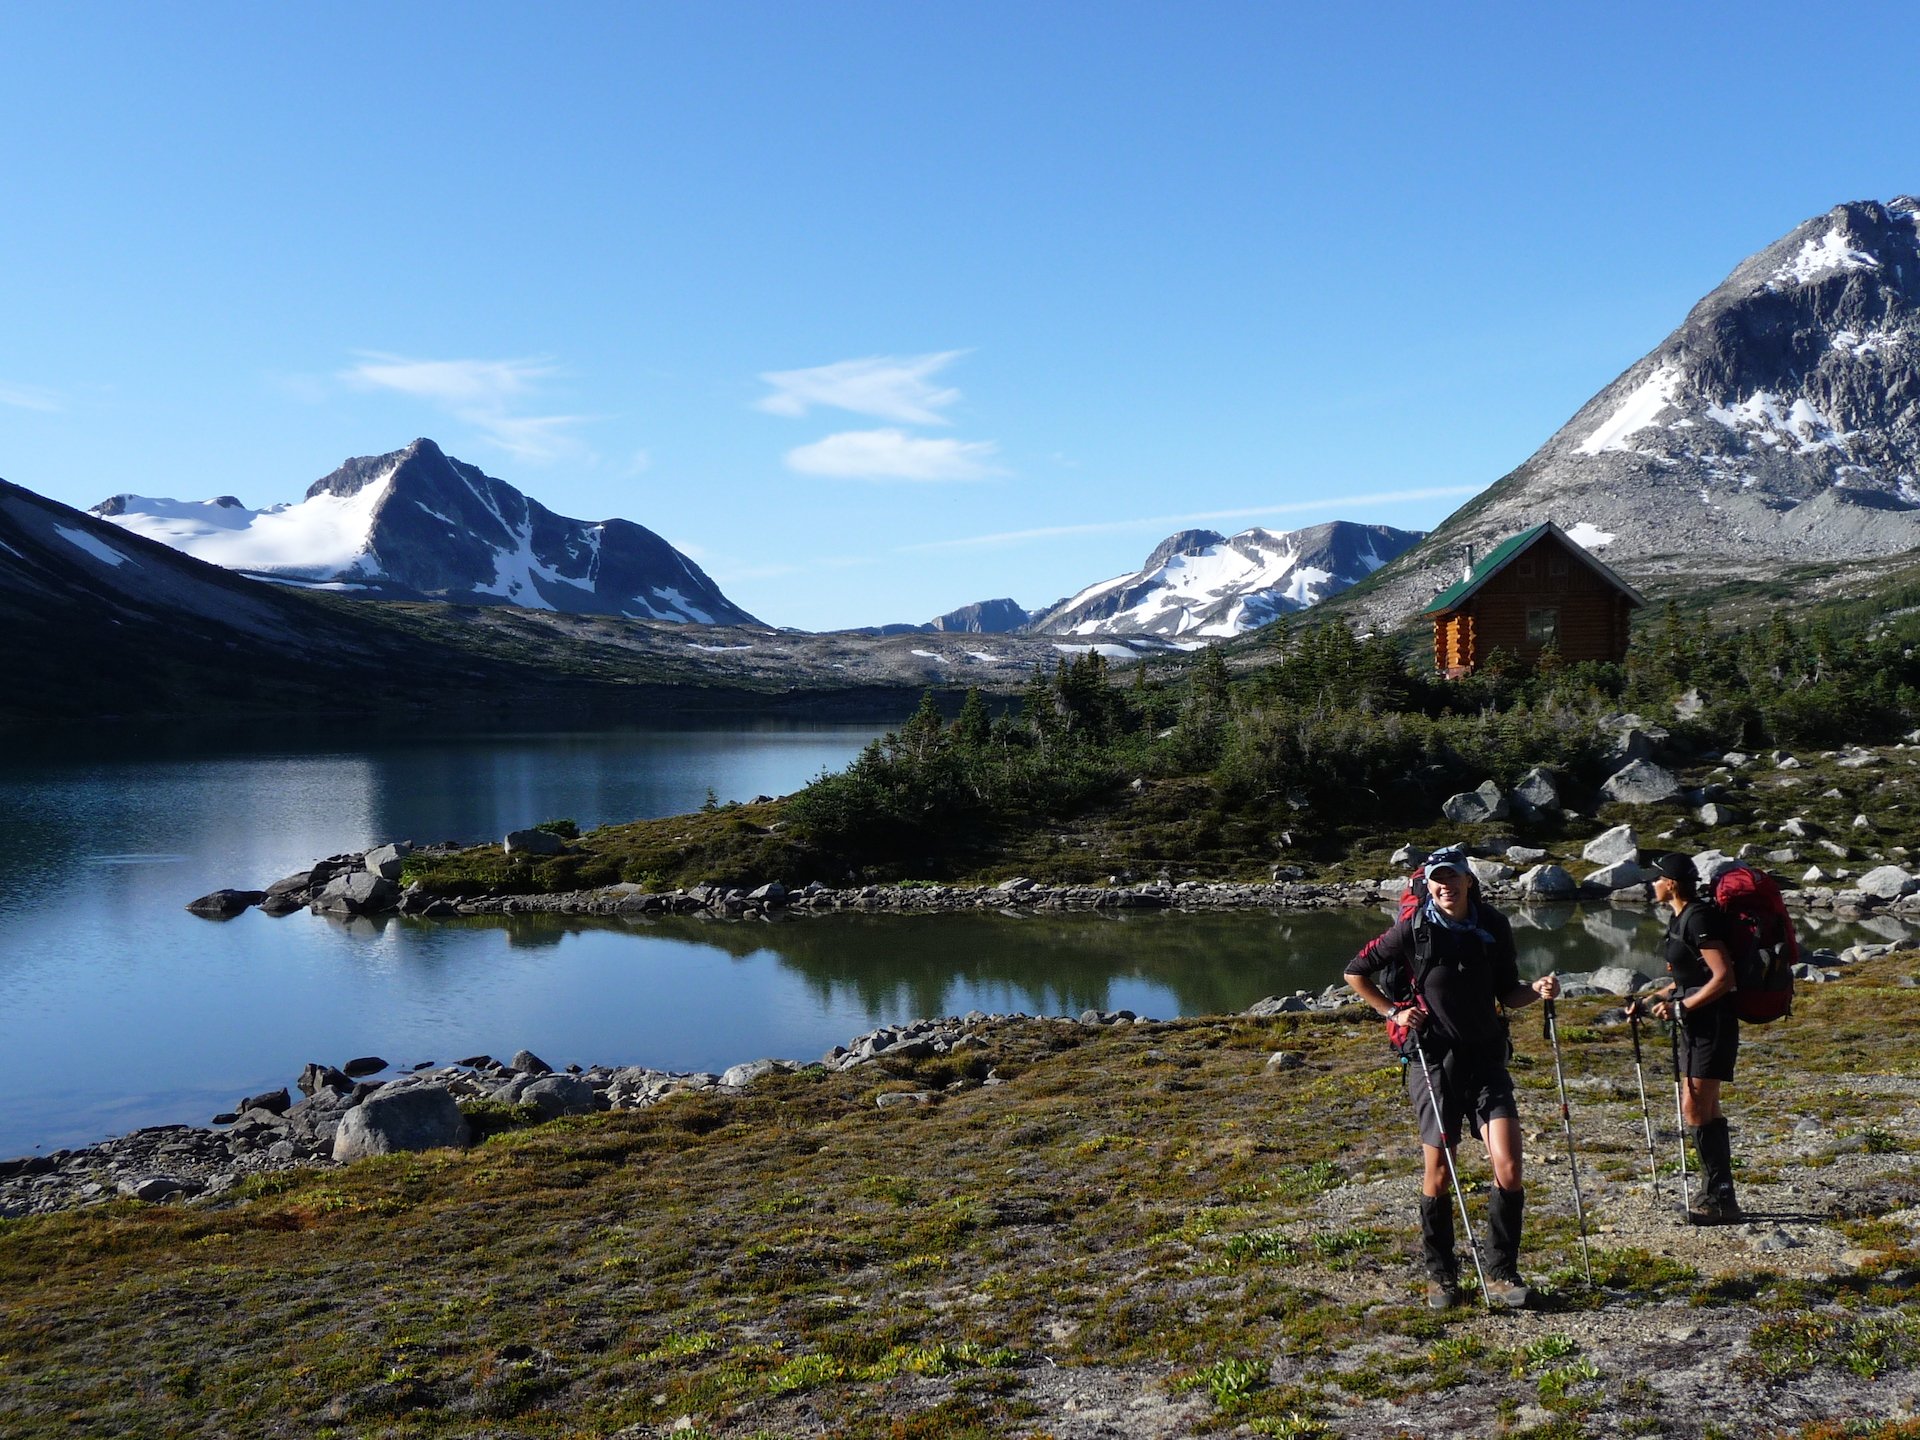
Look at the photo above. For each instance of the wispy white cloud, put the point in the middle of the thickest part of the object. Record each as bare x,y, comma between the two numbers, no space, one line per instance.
1168,523
887,387
894,455
489,395
29,397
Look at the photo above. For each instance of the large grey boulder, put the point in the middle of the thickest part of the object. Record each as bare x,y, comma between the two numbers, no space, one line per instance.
1610,847
299,882
1618,980
274,1102
387,861
316,1077
1537,794
745,1073
557,1095
1713,814
1709,863
225,904
1548,882
360,893
1630,744
1887,882
1476,806
1621,875
534,842
425,1117
1490,872
1640,782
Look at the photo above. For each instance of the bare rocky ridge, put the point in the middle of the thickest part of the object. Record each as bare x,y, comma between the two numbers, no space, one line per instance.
1779,424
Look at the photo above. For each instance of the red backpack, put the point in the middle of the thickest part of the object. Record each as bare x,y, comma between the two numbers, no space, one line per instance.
1765,949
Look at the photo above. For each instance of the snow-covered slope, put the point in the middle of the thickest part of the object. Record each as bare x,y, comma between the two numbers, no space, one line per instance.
1779,424
419,524
1200,583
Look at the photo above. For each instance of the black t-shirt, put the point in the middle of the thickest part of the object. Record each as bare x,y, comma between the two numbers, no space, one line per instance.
1699,926
1463,977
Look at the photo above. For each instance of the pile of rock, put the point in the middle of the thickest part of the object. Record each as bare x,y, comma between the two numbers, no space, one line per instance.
360,883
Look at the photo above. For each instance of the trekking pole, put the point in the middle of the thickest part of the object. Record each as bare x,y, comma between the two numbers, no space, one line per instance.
1453,1175
1646,1115
1566,1122
1680,1119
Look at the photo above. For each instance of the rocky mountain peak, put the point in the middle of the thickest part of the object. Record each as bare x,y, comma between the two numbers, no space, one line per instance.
1202,583
418,523
1778,424
1185,542
422,461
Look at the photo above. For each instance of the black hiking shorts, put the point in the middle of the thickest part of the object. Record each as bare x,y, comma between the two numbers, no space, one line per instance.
1710,1042
1475,1090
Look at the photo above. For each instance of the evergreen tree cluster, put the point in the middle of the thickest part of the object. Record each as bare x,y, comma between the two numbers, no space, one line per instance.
1339,732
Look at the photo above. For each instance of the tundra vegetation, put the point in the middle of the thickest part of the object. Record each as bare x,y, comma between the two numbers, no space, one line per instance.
1199,1226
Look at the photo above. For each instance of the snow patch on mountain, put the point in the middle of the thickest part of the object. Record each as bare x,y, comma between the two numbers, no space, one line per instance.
319,536
80,540
1589,537
1760,417
1832,251
1648,403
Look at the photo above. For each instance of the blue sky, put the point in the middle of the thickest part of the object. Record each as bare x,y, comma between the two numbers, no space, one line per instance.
880,309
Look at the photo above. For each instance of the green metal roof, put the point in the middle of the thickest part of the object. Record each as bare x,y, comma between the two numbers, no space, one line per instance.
1484,571
1497,559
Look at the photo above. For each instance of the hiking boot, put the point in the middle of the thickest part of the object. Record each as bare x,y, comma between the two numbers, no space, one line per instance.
1714,1208
1715,1144
1443,1293
1509,1290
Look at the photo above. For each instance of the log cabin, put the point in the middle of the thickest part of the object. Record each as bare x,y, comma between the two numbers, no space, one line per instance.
1536,590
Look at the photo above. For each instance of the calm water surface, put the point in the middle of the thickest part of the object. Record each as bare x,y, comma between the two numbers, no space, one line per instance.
118,1009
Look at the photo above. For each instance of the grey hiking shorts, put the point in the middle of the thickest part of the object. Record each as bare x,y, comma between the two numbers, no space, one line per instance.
1472,1091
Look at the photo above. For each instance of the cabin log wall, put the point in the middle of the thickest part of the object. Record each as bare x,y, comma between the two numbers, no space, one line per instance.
1593,617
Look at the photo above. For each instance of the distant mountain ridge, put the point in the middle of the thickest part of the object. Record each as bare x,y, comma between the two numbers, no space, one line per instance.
983,617
1779,424
419,524
1201,584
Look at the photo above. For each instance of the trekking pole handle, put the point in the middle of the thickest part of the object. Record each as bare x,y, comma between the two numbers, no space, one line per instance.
1546,1019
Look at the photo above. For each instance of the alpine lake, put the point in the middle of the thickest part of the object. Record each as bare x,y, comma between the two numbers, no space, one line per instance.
118,1009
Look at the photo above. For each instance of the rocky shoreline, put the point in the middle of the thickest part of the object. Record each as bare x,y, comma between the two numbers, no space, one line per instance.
355,884
341,1115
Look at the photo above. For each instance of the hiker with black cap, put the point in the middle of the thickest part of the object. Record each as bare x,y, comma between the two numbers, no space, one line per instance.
1444,972
1699,1000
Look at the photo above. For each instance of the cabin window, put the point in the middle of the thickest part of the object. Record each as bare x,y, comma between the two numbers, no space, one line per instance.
1524,567
1543,628
1557,566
